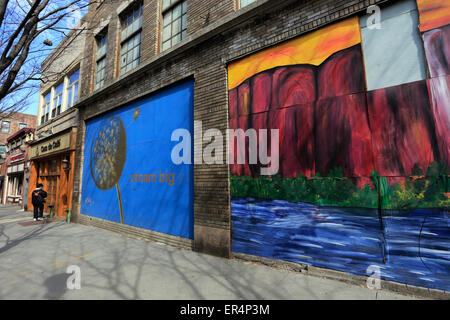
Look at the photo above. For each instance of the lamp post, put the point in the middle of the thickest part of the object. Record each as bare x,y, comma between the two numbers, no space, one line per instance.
66,165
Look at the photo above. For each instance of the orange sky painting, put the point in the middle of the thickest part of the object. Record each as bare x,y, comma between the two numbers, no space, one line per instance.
312,48
433,13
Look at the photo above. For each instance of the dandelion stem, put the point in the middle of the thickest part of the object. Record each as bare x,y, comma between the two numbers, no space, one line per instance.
120,203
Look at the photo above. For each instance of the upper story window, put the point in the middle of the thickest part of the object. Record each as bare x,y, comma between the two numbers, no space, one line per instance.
243,3
53,165
174,24
130,43
64,96
46,108
57,101
72,89
5,126
22,126
100,58
3,149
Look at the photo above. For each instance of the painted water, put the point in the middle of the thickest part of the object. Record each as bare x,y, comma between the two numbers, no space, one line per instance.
410,246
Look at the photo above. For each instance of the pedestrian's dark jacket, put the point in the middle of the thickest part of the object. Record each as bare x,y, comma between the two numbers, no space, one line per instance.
38,197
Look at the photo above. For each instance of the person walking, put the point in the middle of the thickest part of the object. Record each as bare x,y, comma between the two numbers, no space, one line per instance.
38,200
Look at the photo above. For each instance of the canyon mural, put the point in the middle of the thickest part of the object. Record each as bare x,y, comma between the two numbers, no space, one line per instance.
363,179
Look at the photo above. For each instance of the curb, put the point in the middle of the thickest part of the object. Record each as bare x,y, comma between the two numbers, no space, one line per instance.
395,287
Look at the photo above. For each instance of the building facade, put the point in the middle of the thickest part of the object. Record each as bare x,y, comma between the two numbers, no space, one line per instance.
346,103
12,124
18,167
53,149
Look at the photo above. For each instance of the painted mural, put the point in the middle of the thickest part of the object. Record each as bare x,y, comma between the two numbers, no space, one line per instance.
435,27
363,178
129,176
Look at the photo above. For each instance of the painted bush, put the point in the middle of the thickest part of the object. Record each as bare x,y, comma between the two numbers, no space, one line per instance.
363,177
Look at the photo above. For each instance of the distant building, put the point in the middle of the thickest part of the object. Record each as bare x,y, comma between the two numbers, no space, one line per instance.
10,126
12,123
17,167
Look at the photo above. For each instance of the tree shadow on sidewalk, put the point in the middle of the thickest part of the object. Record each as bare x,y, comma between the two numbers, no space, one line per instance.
33,234
189,274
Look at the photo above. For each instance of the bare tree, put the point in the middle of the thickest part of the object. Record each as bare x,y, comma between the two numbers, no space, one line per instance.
27,28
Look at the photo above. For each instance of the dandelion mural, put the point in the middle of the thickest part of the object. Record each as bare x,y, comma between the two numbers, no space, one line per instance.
108,155
134,140
136,114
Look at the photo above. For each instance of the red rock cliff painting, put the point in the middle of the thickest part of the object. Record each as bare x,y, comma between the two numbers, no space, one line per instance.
435,27
327,119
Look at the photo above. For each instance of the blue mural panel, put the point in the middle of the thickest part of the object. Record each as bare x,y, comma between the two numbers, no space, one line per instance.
128,174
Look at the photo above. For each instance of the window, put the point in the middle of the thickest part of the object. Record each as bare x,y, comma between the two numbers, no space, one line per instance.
5,126
130,45
243,3
22,125
174,22
101,61
2,150
72,89
46,108
57,101
53,166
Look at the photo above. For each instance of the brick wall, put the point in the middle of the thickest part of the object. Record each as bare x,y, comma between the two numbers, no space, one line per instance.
15,119
229,35
202,13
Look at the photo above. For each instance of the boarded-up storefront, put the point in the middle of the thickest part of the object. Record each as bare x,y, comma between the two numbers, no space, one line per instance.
128,174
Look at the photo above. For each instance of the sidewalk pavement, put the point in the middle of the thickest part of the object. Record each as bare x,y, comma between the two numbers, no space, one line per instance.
34,260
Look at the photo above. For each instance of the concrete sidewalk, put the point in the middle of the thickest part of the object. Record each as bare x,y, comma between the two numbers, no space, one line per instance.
34,260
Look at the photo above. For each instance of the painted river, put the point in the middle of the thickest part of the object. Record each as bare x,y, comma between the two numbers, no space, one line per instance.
410,246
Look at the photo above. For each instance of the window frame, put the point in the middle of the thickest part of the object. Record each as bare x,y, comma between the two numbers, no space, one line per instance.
240,6
3,149
183,23
126,66
9,126
20,124
58,100
72,88
101,42
46,107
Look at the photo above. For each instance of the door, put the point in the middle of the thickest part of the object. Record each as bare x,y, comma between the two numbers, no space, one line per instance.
52,183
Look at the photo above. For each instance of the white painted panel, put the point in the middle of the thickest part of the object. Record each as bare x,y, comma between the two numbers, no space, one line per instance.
394,54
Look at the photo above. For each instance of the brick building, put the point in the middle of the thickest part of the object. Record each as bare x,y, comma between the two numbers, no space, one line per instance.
11,124
18,167
351,115
52,152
